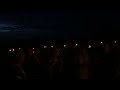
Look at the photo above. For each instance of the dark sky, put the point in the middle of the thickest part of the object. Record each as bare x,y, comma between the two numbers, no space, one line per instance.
59,24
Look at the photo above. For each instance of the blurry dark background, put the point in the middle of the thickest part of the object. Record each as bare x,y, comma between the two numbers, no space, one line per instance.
59,40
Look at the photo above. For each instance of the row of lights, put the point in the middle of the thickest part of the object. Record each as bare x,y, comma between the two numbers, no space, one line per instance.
114,42
12,50
64,46
89,46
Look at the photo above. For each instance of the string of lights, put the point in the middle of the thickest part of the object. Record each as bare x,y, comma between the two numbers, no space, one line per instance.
64,46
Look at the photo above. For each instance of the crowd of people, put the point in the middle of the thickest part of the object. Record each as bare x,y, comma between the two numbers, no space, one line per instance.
67,63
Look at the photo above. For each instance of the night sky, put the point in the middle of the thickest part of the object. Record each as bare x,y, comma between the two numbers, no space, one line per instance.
59,25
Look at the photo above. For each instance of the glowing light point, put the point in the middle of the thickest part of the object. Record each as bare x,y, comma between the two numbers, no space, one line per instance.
64,45
115,42
101,42
10,50
76,44
33,48
51,46
13,50
89,46
45,46
19,48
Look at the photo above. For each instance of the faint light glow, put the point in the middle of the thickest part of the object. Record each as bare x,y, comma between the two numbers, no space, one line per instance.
101,42
45,46
10,50
52,46
115,42
7,25
64,45
5,30
33,51
89,46
19,48
76,44
13,50
33,48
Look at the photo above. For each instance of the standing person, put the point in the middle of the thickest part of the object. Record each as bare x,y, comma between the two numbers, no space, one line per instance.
31,65
21,57
97,61
44,57
109,62
68,59
82,65
15,69
54,64
4,58
117,63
